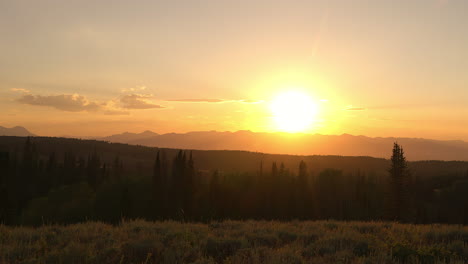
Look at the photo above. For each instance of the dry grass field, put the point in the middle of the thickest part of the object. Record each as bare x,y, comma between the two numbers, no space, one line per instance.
235,242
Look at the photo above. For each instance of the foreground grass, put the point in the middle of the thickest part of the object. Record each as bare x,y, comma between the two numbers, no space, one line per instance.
235,242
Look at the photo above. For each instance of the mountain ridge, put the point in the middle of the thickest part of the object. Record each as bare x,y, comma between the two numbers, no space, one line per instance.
303,144
286,143
15,131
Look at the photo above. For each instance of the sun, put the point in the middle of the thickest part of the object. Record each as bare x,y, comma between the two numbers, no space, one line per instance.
293,111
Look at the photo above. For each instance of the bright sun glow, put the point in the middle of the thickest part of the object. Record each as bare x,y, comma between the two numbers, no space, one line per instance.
293,111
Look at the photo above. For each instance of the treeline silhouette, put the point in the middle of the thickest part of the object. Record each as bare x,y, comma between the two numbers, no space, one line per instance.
69,187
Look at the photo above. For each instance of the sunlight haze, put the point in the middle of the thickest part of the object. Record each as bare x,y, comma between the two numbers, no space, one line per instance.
374,68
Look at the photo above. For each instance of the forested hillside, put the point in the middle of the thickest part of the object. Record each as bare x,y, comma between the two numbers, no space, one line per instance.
57,180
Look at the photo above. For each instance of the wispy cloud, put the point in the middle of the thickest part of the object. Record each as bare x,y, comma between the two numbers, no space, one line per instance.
133,89
64,102
20,90
138,101
215,100
352,108
385,107
116,112
248,101
117,106
197,100
72,103
399,106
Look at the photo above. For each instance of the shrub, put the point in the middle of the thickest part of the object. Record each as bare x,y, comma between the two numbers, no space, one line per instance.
285,256
308,239
361,249
234,242
220,249
286,237
267,240
331,225
402,253
140,250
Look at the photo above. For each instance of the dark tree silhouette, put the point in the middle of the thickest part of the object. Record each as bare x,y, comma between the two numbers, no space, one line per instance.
117,168
188,187
302,201
399,183
45,180
4,171
215,196
274,170
92,170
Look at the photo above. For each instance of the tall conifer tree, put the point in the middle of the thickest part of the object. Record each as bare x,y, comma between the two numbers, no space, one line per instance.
399,181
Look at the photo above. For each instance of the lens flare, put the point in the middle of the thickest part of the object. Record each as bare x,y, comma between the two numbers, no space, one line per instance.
293,111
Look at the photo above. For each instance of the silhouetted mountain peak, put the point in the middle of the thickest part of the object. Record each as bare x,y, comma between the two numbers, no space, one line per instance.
18,131
148,133
128,137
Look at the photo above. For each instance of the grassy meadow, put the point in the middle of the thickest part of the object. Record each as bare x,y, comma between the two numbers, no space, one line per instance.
235,242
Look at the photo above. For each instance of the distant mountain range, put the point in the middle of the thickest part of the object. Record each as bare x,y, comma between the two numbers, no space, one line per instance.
15,131
284,143
127,137
299,144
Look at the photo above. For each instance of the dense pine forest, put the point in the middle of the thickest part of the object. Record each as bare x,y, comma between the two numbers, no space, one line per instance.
65,181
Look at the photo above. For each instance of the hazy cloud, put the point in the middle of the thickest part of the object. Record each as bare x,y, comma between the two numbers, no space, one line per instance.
64,102
351,108
137,101
248,101
79,103
400,106
214,100
20,90
133,89
200,100
116,112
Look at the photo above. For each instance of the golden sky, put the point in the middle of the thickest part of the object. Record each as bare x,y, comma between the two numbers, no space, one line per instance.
375,68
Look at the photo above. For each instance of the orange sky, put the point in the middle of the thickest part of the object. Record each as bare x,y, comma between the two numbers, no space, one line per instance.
376,68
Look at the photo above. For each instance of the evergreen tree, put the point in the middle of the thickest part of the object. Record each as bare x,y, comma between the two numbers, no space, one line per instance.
399,181
302,172
4,171
117,168
177,190
157,171
26,185
51,168
282,169
274,170
158,187
215,198
260,171
69,166
302,201
93,170
188,187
